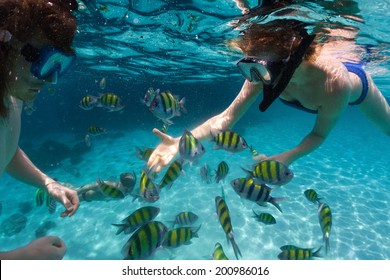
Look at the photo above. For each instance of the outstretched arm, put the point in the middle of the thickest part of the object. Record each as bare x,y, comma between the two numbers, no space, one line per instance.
327,117
22,169
166,150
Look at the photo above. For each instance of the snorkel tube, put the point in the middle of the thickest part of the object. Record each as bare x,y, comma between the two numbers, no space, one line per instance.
272,91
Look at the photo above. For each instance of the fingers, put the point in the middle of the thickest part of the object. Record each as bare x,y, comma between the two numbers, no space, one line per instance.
159,133
260,157
56,241
71,203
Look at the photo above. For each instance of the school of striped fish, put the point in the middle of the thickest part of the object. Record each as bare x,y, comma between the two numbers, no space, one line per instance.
257,185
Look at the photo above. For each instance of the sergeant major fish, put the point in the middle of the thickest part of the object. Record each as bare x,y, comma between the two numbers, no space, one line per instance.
325,219
144,242
179,236
291,252
109,190
190,148
222,171
185,219
264,218
88,102
225,221
312,196
149,96
270,172
172,173
136,219
205,173
259,193
230,141
218,253
110,101
165,106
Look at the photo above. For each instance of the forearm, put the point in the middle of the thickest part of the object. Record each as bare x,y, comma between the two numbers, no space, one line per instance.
17,254
22,169
228,118
311,142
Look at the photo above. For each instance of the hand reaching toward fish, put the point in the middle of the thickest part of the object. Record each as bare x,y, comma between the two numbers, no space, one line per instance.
164,152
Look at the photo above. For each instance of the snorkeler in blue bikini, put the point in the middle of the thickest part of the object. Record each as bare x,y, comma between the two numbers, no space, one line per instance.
283,61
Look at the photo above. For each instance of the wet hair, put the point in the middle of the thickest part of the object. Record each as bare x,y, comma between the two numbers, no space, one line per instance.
27,19
279,38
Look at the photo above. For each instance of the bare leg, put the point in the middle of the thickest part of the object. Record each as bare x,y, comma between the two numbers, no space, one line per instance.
376,108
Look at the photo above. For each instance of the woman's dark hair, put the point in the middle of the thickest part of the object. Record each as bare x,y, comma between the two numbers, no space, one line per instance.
280,37
25,19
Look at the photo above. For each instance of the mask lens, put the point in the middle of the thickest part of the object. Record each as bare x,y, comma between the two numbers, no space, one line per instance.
51,61
254,70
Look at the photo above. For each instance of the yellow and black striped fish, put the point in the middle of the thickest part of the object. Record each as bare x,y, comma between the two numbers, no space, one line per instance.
265,218
111,102
136,219
144,242
110,190
143,154
179,236
222,171
218,253
230,141
148,190
325,219
165,106
40,197
259,193
94,130
185,218
312,196
291,252
173,172
88,102
190,148
225,221
270,172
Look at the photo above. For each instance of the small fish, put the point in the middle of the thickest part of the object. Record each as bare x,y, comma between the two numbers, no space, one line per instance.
222,171
190,148
111,102
88,102
218,253
230,141
225,221
164,128
259,193
291,252
148,190
205,173
270,172
149,96
143,154
40,197
136,219
144,242
102,83
179,236
173,172
185,219
312,196
253,151
325,219
265,218
109,190
94,130
51,204
165,106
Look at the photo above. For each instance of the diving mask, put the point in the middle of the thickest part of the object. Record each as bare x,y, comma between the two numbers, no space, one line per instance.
275,75
47,61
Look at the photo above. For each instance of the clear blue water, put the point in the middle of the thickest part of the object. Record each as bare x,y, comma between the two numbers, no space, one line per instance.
175,48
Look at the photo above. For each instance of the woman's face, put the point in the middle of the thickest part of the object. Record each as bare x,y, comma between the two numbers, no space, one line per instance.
23,84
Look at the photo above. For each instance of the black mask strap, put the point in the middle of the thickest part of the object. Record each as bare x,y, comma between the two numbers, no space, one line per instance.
272,92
